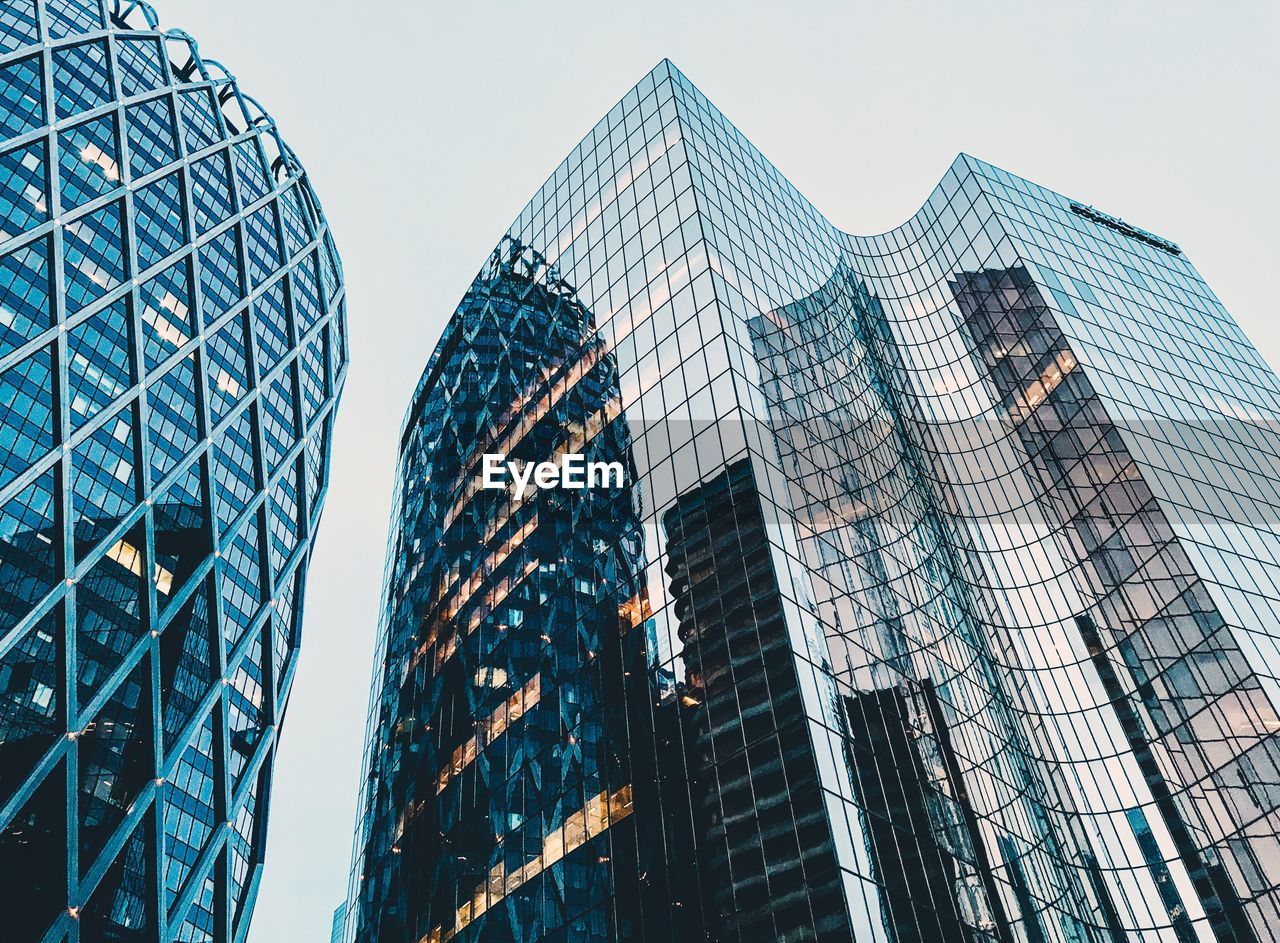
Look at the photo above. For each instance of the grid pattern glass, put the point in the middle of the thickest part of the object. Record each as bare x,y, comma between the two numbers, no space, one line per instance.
939,603
152,553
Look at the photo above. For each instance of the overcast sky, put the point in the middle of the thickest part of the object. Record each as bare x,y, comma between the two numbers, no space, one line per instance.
427,126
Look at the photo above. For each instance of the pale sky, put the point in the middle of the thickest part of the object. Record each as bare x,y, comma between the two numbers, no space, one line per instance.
427,126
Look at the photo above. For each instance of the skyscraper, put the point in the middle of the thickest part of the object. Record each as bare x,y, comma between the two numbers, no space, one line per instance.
939,602
172,346
339,923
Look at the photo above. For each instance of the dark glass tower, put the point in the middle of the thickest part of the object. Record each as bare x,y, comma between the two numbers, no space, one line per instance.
939,603
171,351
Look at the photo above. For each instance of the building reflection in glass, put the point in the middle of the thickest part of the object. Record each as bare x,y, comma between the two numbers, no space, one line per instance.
504,802
939,604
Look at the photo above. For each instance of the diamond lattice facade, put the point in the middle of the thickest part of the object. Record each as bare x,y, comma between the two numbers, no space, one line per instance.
940,603
171,351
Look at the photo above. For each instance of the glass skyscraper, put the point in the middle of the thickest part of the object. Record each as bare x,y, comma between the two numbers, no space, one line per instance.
338,925
940,602
172,345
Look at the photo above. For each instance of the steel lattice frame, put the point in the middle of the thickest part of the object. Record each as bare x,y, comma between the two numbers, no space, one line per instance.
172,349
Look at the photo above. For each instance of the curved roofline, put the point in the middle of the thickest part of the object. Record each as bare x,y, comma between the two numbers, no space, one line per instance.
959,158
666,71
122,12
672,72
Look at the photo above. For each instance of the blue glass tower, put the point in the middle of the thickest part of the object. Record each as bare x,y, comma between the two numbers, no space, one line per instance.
172,347
939,604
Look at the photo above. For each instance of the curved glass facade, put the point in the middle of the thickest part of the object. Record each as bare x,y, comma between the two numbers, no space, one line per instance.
939,603
172,346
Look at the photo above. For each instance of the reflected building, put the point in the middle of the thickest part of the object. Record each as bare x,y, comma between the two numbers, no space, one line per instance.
171,350
515,640
763,856
938,604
